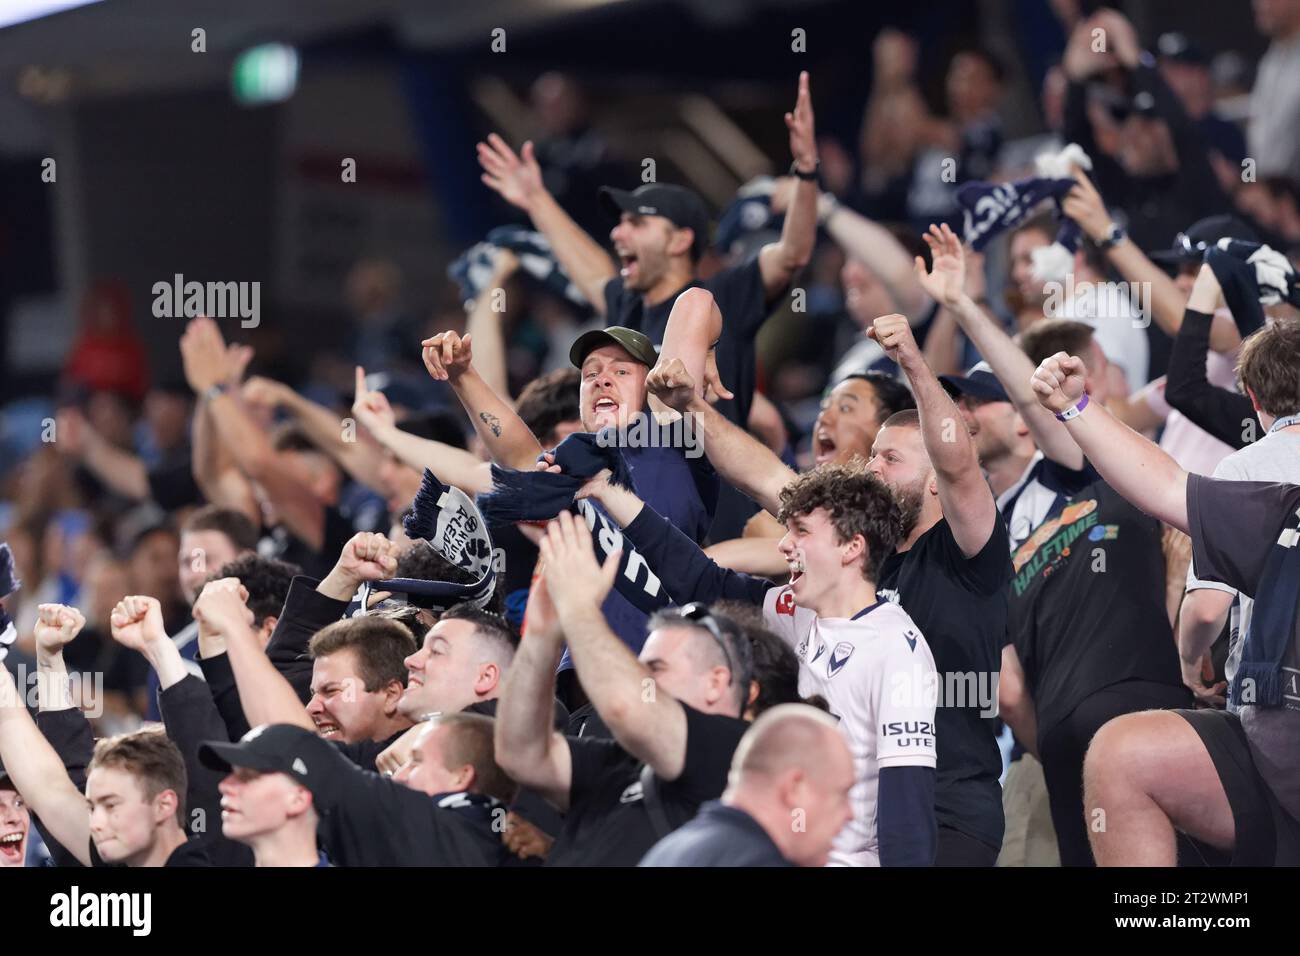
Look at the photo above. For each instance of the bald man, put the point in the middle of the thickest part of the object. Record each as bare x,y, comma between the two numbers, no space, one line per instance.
786,799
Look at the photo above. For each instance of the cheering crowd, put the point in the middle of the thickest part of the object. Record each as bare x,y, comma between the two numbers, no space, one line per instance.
994,564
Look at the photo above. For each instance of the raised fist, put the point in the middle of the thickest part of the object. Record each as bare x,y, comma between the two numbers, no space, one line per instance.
56,626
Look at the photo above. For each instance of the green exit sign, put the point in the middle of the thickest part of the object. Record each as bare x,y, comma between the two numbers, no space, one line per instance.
265,74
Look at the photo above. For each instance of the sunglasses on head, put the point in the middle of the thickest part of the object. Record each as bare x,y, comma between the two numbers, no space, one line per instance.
698,613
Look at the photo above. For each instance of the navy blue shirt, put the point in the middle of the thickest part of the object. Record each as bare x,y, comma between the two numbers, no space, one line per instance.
684,490
718,836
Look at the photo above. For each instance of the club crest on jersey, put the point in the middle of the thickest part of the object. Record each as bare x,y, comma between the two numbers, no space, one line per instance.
839,657
785,602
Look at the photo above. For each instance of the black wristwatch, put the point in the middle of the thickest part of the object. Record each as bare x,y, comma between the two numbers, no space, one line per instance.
798,173
1113,238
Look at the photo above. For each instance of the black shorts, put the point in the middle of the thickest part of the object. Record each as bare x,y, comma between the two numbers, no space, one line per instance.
1266,835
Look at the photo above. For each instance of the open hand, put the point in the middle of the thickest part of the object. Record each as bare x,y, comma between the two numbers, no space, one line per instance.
517,179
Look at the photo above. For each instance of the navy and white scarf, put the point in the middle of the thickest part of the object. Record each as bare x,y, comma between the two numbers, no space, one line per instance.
989,209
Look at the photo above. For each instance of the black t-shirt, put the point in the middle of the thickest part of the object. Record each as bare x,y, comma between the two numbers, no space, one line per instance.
607,823
282,544
368,820
189,853
1088,603
364,753
171,481
743,304
960,605
1237,527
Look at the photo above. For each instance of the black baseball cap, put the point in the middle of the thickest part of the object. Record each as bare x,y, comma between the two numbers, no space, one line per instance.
1143,104
979,382
1177,47
1190,244
270,748
637,345
681,206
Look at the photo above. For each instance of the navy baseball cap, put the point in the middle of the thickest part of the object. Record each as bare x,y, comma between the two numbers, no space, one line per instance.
270,748
979,382
681,206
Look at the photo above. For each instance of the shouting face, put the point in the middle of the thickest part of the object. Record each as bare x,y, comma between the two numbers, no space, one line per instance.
645,246
340,705
15,823
816,557
847,423
612,389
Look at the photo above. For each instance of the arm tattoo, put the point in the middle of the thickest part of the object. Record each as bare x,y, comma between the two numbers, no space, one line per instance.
492,422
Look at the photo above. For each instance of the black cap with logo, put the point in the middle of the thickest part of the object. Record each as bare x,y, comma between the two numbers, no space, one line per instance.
270,748
681,206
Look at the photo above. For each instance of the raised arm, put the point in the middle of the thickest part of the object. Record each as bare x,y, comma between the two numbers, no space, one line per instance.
740,458
484,323
518,180
686,571
204,353
39,775
325,429
121,470
56,626
453,465
215,471
449,358
1135,467
267,697
780,262
945,283
967,502
527,746
871,243
651,727
1227,415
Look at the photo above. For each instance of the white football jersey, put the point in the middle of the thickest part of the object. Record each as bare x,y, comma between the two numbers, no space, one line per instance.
876,672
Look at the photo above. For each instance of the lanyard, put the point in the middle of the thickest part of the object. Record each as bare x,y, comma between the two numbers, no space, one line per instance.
1284,423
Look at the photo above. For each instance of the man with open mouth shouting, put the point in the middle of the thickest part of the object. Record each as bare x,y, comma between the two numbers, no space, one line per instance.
862,653
15,823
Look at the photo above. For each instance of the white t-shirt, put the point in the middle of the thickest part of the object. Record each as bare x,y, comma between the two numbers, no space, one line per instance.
1118,330
876,672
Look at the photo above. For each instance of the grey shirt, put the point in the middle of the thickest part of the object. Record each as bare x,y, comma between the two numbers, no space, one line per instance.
1275,457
